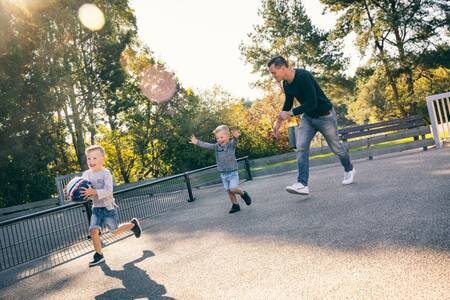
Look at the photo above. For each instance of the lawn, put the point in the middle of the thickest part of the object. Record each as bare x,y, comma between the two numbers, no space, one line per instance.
356,149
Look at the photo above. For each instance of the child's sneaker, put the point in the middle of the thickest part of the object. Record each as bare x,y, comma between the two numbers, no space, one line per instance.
246,198
137,230
235,208
98,258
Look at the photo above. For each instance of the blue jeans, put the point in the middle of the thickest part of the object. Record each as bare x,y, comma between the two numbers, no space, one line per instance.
327,126
230,180
103,218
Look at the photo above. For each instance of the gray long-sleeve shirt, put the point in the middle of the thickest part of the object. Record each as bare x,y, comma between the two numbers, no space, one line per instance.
225,155
102,182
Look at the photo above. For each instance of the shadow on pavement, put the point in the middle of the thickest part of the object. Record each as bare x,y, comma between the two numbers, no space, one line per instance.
401,201
137,283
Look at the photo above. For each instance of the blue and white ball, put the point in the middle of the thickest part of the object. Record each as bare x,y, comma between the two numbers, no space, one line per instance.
74,188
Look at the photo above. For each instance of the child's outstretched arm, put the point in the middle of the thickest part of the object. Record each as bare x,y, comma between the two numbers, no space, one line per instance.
201,144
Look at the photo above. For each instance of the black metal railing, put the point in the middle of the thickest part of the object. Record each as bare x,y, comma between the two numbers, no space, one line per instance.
208,175
35,235
61,228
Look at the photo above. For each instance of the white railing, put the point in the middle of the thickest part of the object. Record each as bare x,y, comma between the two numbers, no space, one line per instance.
439,111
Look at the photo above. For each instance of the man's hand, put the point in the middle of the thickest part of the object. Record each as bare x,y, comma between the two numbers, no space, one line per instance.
236,133
284,115
275,133
88,192
193,140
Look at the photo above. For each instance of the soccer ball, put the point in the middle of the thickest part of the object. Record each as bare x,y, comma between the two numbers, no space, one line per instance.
74,188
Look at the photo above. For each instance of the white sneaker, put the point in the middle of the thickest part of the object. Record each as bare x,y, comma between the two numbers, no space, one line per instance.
349,177
298,188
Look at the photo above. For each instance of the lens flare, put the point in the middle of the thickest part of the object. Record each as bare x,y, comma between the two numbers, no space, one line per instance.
157,84
91,17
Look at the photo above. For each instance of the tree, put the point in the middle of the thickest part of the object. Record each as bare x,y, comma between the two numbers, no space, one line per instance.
399,32
26,110
286,30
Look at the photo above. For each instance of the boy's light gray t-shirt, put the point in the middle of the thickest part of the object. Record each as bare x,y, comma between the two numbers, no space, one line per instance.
102,182
225,155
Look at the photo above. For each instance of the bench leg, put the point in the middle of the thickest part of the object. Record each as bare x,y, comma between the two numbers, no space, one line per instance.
425,148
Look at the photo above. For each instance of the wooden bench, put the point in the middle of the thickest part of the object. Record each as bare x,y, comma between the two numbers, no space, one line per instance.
369,136
362,140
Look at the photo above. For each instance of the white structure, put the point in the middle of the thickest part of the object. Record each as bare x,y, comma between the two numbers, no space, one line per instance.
439,111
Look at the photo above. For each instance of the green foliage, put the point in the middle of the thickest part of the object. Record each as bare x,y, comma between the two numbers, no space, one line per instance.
26,112
400,37
286,30
63,87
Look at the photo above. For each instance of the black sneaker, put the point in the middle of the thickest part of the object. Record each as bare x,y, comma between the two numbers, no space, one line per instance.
235,208
246,198
98,258
137,230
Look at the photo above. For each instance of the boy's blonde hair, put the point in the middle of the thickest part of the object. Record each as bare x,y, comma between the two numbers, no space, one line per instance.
222,128
95,148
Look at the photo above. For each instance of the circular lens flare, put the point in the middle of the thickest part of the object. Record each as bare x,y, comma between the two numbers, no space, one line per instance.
91,17
157,84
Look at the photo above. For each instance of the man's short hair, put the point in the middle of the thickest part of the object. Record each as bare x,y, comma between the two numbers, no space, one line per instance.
95,148
222,128
278,61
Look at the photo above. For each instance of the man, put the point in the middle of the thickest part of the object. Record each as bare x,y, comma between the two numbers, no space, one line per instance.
317,114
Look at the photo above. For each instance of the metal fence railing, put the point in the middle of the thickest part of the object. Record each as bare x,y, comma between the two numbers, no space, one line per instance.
58,229
35,235
61,182
208,175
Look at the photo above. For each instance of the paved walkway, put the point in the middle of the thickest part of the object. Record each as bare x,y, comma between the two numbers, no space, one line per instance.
386,236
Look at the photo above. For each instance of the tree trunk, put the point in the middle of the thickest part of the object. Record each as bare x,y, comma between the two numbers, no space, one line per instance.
406,69
78,134
60,136
388,71
123,169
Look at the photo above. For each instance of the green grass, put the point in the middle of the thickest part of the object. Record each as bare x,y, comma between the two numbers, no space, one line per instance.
198,179
376,146
201,178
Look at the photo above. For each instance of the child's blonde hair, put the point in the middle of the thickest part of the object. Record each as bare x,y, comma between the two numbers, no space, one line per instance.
95,148
222,128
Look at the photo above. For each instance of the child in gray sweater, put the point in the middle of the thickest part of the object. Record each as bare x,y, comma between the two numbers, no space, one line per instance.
226,163
104,208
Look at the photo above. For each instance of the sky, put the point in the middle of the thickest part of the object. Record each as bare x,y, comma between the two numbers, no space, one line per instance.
199,39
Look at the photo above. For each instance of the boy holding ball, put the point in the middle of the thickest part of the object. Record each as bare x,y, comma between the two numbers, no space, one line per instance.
226,163
104,208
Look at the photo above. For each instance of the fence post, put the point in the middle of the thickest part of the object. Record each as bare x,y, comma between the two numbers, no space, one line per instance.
369,148
60,190
89,214
189,187
88,211
247,168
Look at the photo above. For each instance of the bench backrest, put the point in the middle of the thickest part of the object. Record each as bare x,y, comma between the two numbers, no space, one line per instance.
381,127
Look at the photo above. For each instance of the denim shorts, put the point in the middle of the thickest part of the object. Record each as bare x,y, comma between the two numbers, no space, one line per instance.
103,218
230,180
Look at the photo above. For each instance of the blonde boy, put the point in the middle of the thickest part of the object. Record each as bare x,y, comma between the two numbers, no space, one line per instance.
226,163
104,208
